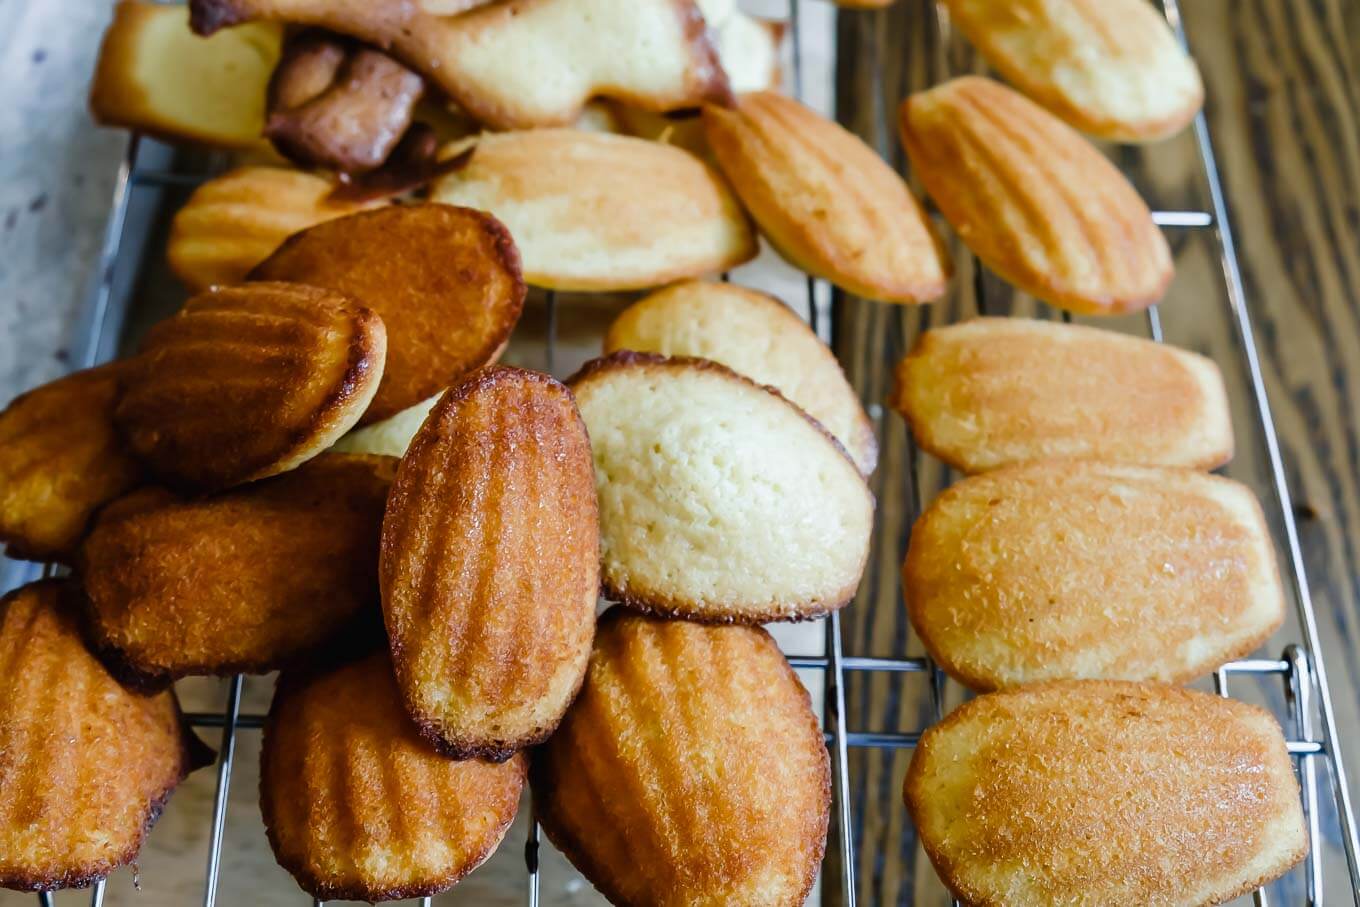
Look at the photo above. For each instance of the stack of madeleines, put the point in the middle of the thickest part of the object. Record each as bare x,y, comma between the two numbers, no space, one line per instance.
318,467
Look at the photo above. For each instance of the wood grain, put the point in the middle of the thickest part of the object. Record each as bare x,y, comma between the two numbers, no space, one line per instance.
1282,112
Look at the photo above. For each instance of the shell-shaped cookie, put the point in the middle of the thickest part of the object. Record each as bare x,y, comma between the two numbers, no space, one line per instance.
826,200
490,564
249,580
691,770
603,212
757,336
996,391
60,460
85,765
1035,201
1073,569
522,64
719,500
250,381
445,281
1111,68
358,807
156,76
1103,792
234,221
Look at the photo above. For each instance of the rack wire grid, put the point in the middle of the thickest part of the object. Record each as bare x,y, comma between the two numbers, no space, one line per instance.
1301,698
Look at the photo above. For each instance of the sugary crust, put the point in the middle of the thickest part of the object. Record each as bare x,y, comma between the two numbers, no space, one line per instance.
756,335
996,391
1046,49
1159,762
1203,589
1033,199
495,497
371,683
295,365
446,282
638,595
58,628
826,200
560,767
654,54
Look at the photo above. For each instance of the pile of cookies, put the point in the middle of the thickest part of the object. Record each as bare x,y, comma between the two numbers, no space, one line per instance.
318,467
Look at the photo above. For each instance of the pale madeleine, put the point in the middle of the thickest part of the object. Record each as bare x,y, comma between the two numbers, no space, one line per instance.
1078,569
523,63
156,76
1033,199
60,461
87,766
1102,792
717,775
719,500
1111,68
444,280
995,391
250,580
826,200
247,382
491,538
234,221
357,806
603,212
757,336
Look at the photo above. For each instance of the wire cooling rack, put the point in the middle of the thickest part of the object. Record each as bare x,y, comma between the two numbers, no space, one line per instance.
1301,699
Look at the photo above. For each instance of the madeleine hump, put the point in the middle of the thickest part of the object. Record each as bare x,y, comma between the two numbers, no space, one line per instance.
490,564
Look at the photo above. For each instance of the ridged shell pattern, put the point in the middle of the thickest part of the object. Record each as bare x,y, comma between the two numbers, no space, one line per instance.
358,807
85,765
1033,199
490,563
249,381
690,771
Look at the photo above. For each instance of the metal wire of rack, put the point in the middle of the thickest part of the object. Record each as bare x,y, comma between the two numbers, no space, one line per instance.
1309,720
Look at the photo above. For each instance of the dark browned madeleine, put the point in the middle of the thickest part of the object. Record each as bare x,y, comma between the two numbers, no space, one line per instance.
248,382
248,580
690,770
490,564
1079,569
60,460
357,806
85,765
445,281
1104,792
1033,199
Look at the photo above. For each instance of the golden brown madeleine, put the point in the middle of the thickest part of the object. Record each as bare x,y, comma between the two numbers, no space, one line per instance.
60,460
490,564
690,771
603,212
357,806
249,580
755,335
85,765
1035,201
826,200
1104,792
1108,67
1069,568
232,222
522,63
445,281
720,500
248,382
996,391
154,75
